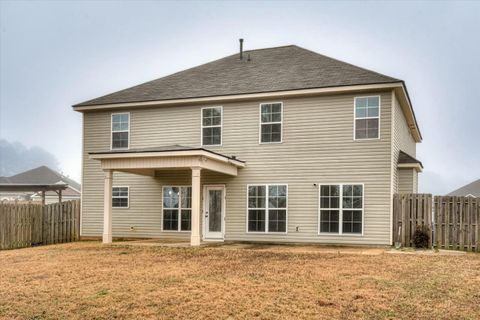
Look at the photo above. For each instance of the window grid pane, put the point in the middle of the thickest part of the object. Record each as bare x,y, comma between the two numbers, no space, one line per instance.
177,213
349,214
267,208
119,140
120,130
329,221
271,132
119,197
256,220
277,220
256,197
212,135
352,221
212,126
186,220
170,219
367,115
271,122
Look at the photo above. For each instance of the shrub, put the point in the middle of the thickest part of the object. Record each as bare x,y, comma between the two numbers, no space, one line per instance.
421,237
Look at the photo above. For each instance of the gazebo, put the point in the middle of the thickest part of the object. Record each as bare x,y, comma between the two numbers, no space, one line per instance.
42,188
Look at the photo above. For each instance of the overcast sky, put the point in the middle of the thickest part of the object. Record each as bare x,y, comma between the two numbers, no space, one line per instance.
55,54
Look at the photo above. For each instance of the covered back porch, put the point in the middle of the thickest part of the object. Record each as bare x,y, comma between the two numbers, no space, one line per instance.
148,162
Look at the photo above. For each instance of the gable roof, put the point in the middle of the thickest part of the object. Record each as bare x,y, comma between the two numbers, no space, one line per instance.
268,70
472,188
42,175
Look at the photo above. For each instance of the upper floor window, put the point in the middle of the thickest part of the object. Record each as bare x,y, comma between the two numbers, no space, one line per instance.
367,117
271,122
120,130
212,126
120,197
341,209
267,208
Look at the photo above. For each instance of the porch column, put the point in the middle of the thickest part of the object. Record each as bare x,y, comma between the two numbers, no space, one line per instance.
107,207
195,234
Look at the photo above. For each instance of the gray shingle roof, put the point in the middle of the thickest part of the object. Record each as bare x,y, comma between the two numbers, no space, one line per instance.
404,157
175,147
472,188
269,70
42,176
4,180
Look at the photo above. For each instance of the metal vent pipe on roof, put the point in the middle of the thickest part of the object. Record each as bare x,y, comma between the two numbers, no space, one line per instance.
241,49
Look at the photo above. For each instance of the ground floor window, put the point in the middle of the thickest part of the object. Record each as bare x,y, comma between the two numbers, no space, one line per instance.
120,197
341,209
267,208
177,208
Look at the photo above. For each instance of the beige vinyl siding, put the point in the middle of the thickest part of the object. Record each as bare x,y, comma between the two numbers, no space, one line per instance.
407,180
415,181
318,147
402,141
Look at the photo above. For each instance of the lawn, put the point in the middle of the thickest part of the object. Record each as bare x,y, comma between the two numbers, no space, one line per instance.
88,280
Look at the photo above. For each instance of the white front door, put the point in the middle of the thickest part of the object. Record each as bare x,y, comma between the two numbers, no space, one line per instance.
214,212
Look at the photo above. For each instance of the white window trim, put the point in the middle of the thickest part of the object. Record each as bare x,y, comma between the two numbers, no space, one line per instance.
379,117
128,197
340,209
179,210
111,130
267,209
211,126
274,122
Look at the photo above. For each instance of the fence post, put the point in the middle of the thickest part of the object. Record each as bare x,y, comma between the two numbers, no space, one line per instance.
477,229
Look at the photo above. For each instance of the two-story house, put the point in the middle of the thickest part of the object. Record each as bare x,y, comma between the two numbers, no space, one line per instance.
279,145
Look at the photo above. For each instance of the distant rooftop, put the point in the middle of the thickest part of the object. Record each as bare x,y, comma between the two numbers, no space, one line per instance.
42,175
472,189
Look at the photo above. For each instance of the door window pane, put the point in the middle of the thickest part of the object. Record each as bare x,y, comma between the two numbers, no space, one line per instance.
215,210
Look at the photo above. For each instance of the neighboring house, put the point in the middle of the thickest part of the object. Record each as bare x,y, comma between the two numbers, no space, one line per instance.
32,181
12,195
279,145
470,190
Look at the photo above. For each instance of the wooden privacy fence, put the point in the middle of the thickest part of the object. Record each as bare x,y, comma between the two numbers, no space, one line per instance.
409,211
454,221
457,223
25,225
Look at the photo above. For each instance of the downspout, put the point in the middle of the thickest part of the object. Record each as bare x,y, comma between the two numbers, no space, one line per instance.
392,165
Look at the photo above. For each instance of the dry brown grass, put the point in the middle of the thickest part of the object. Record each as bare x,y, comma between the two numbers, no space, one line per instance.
87,280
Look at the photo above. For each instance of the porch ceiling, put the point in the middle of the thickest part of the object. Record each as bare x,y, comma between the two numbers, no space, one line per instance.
146,161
